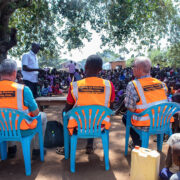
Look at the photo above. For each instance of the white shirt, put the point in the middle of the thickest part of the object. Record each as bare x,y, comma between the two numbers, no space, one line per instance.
29,59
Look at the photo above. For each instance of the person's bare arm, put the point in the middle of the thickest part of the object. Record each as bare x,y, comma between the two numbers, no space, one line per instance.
26,68
111,105
67,107
35,113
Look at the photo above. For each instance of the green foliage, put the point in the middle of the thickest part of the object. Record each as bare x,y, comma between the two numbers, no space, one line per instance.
35,24
129,62
143,22
174,55
170,57
108,55
49,62
137,19
159,57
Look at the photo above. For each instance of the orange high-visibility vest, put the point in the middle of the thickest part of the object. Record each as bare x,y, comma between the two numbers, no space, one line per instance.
11,96
91,91
150,92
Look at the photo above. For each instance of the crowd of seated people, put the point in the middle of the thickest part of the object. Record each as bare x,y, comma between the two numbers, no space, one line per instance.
52,82
55,82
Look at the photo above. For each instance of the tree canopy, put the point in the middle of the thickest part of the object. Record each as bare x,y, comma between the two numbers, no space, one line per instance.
118,21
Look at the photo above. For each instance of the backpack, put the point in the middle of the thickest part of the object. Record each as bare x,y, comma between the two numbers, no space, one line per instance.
54,135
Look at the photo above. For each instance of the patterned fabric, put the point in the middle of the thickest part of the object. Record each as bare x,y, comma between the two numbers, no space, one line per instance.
131,96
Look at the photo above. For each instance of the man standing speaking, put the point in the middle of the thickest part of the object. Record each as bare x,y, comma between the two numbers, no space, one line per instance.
30,68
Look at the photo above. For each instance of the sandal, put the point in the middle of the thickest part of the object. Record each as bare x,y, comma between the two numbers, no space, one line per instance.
89,150
60,150
131,145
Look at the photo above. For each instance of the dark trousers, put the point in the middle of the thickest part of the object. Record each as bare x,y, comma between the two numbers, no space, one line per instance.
135,137
71,76
32,86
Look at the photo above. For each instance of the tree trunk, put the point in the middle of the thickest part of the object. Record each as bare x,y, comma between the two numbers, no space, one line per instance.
7,41
7,35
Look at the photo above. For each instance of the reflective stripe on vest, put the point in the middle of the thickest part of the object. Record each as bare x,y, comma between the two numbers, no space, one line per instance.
138,118
138,84
20,89
75,91
143,104
15,101
107,93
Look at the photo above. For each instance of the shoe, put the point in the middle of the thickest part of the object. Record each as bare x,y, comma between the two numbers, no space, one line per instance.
131,145
12,152
60,150
155,140
165,138
89,150
36,154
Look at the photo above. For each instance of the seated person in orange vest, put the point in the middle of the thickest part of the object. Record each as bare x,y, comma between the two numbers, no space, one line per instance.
22,99
142,93
82,93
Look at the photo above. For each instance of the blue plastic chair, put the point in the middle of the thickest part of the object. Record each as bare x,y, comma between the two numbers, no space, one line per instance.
162,115
89,132
10,120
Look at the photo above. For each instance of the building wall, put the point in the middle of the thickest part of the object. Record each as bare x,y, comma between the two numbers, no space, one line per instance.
118,63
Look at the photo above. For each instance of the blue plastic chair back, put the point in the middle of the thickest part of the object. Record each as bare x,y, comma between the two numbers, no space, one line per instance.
10,121
89,119
160,116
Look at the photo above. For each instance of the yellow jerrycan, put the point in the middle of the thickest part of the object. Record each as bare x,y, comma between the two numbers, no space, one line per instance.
144,164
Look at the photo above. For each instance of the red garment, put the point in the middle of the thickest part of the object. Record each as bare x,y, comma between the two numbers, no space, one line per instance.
56,90
70,99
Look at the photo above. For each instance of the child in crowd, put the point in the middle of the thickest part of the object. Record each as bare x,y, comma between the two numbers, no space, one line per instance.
56,88
176,160
77,75
172,160
177,87
176,124
46,90
19,77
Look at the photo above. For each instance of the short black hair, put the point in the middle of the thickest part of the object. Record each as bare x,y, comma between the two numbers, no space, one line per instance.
94,63
36,45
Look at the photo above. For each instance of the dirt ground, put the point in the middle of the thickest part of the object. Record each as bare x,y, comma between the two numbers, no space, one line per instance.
88,167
